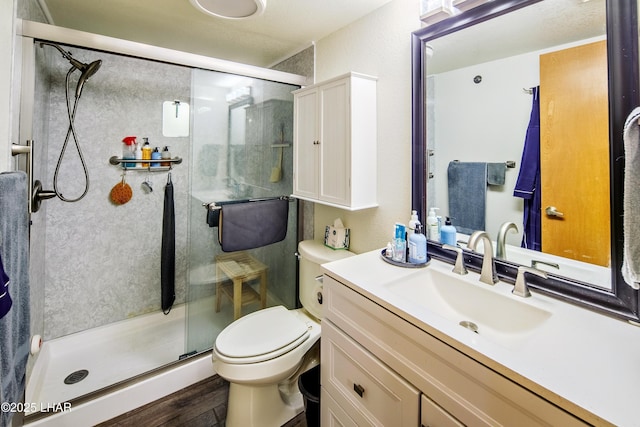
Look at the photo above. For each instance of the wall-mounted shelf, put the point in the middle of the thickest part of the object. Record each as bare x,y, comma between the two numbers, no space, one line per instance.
141,165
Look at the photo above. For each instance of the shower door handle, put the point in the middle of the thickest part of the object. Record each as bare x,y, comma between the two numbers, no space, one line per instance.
27,149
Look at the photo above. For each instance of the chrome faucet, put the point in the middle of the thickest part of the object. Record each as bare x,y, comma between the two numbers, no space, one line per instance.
488,273
521,288
459,267
501,251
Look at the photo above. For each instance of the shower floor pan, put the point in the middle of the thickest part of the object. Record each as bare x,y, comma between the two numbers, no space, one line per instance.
109,354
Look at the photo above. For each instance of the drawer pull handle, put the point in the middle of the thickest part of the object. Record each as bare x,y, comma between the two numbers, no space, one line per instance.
358,389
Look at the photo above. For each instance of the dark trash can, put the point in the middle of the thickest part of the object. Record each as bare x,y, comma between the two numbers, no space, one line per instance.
309,385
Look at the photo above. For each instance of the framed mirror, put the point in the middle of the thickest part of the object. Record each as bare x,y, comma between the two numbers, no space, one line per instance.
489,49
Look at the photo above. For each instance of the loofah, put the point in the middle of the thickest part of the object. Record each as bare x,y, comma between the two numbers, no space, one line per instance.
121,193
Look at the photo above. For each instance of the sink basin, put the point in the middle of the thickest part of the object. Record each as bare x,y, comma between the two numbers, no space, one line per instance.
480,308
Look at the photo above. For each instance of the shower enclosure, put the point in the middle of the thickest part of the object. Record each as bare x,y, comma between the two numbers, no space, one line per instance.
95,266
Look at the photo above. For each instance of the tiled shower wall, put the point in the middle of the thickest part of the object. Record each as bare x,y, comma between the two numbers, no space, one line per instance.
102,261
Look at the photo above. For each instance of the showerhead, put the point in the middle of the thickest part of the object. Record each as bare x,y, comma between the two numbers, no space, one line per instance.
86,70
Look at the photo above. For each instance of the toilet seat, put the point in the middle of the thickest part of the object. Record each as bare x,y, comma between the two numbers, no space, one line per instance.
260,336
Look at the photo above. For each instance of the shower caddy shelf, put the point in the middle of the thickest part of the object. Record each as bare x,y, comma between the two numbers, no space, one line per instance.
115,160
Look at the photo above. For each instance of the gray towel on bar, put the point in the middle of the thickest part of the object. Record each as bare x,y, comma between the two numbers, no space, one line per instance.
14,326
496,173
213,216
631,201
467,183
253,224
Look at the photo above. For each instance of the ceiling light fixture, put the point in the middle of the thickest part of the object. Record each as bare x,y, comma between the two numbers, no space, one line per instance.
230,9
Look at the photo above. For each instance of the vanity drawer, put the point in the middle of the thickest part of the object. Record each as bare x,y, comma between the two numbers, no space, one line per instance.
432,415
331,414
370,392
470,391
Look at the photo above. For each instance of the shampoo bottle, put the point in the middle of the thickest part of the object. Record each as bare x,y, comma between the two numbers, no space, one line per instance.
418,246
448,233
166,155
433,226
413,222
146,152
155,155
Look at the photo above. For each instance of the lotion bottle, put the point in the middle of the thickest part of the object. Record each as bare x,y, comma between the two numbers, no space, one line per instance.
448,233
433,226
418,246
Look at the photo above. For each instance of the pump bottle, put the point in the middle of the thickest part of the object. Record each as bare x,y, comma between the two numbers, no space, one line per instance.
146,152
433,226
413,222
448,233
418,246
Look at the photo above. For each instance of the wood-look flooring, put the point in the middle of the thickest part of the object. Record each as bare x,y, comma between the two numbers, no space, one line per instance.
203,404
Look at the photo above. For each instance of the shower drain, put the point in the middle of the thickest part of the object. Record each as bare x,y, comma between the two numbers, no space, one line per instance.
76,377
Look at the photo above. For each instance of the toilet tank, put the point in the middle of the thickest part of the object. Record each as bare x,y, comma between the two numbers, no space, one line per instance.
312,255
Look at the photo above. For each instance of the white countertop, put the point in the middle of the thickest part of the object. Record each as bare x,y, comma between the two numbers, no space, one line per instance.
583,361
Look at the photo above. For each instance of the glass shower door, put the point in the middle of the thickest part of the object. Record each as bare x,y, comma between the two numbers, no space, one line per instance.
241,150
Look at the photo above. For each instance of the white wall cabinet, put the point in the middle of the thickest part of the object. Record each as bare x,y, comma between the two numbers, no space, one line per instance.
335,140
410,377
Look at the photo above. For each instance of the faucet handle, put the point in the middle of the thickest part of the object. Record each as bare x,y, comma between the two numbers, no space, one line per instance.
521,288
459,267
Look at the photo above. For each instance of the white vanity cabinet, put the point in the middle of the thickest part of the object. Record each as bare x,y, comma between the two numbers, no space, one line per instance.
334,144
411,377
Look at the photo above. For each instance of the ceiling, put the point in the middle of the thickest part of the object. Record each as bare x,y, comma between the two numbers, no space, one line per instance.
285,28
543,25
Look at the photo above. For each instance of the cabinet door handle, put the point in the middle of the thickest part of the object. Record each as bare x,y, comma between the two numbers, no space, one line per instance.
358,389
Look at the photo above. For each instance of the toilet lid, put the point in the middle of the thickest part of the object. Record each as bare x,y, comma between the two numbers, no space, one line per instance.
262,335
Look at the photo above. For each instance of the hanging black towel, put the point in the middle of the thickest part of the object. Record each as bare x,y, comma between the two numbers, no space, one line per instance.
253,224
168,256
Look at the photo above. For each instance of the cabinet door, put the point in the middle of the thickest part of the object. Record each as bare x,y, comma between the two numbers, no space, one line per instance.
305,148
335,147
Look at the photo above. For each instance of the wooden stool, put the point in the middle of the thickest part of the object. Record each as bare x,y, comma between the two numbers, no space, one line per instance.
240,268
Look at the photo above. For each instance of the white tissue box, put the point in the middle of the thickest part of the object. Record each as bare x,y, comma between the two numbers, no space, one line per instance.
336,236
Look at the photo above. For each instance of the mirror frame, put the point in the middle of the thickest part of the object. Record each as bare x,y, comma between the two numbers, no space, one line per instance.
622,56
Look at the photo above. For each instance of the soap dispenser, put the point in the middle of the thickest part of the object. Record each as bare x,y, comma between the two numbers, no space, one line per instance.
448,233
418,246
433,225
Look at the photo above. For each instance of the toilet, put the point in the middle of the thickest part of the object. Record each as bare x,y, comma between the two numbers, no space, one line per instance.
263,353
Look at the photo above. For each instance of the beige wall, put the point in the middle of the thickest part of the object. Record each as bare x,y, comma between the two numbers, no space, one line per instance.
380,45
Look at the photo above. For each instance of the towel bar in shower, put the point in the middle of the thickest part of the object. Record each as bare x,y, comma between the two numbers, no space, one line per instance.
212,206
